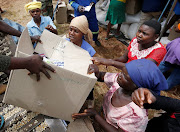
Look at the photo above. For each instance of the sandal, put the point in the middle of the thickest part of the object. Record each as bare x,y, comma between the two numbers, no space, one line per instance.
2,121
110,36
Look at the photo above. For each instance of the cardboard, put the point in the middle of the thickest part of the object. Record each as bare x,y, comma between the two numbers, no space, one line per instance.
133,6
69,87
61,13
173,34
81,125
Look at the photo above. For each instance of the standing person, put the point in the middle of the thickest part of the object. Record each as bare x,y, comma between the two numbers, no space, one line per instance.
47,8
151,9
120,112
115,15
167,122
79,9
38,23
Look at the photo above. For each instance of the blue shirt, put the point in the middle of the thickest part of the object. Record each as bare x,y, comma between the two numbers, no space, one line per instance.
86,46
35,30
153,5
76,3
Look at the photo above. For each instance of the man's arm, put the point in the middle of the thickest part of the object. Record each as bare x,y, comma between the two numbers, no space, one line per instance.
33,63
5,28
74,4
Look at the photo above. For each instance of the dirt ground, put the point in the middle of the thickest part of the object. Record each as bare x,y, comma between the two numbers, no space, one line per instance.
111,48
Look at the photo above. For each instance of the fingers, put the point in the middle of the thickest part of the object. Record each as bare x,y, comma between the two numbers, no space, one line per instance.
49,67
38,76
136,99
79,115
90,70
46,74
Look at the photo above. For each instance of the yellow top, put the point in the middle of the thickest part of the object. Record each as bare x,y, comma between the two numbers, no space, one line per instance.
32,5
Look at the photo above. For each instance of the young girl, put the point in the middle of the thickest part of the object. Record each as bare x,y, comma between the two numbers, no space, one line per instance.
120,112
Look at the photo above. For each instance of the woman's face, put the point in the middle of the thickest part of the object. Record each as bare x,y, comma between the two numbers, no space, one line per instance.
146,35
125,81
75,35
35,13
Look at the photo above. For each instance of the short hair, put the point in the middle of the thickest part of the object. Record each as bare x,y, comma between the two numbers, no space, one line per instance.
154,24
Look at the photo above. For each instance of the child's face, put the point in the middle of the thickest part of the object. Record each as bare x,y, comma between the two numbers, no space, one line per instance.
125,81
75,35
35,13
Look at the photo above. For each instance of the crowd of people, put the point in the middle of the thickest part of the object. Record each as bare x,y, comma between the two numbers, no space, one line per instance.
136,88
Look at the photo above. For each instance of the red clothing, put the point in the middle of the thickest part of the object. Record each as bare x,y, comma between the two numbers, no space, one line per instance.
156,52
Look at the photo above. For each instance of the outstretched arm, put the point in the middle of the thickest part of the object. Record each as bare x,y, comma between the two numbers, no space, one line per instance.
123,58
34,64
94,69
108,62
91,112
143,96
5,28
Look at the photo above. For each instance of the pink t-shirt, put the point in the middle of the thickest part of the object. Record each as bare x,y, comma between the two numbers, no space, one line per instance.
130,118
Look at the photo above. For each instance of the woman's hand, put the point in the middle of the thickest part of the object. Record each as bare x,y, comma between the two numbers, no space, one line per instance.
93,69
87,112
143,95
98,61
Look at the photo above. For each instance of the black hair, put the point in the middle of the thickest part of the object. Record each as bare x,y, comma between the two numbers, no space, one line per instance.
154,24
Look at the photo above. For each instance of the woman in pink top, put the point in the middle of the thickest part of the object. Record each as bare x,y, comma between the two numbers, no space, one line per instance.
121,113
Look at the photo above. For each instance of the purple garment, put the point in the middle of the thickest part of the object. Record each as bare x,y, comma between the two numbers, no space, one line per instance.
173,52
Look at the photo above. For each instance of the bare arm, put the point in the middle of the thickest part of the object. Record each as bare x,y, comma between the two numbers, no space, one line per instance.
5,28
94,69
33,63
123,58
108,62
91,112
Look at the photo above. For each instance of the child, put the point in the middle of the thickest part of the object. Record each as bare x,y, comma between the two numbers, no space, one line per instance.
120,112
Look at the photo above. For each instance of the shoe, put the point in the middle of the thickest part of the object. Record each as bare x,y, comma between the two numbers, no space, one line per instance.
110,36
97,43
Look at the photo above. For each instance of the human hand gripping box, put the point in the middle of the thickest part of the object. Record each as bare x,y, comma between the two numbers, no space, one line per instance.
69,87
